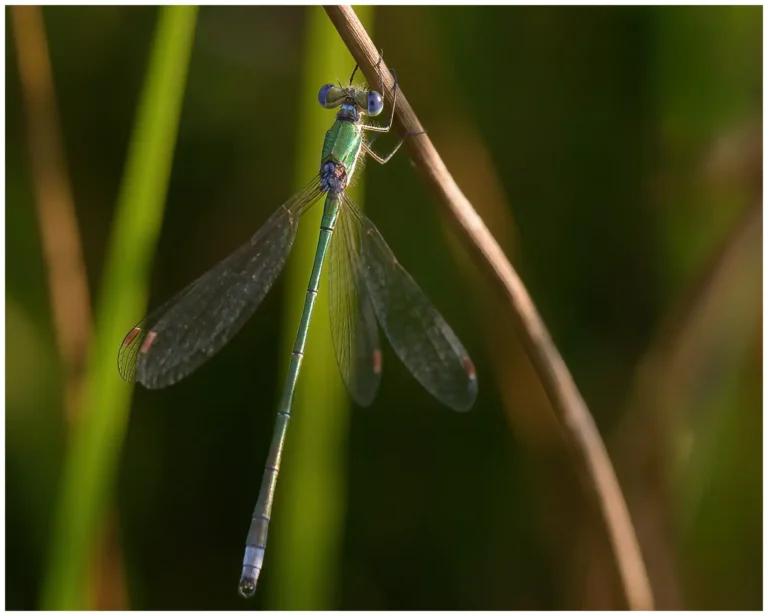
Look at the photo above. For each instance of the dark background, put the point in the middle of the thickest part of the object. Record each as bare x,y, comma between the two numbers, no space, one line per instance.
615,153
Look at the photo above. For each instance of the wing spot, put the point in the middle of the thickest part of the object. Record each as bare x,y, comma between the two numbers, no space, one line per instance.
148,341
377,360
131,336
469,367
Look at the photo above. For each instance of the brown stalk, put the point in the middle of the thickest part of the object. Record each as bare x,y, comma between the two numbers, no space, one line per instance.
70,300
61,244
588,450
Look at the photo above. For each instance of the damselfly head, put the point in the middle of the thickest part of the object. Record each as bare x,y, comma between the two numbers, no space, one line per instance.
367,101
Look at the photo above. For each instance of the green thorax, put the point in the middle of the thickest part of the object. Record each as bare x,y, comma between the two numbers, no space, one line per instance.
342,144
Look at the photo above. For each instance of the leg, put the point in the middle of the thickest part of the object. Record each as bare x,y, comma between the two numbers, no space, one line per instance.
385,159
352,76
384,129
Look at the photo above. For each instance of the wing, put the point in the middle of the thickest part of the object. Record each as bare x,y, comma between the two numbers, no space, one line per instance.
353,322
419,335
179,336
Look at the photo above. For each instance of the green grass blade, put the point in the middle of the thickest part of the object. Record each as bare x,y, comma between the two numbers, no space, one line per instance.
91,464
305,547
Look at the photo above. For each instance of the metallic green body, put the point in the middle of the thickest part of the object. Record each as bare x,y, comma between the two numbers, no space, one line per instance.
368,289
342,145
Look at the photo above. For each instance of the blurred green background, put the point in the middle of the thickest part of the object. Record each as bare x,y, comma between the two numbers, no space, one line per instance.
616,155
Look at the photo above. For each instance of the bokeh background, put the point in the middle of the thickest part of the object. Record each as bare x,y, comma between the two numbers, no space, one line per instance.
616,155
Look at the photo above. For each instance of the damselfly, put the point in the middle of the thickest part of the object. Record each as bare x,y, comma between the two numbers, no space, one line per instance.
366,285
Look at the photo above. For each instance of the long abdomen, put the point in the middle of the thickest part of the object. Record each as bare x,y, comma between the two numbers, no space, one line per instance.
256,541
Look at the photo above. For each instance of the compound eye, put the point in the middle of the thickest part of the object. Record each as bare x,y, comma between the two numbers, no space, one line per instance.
330,96
375,104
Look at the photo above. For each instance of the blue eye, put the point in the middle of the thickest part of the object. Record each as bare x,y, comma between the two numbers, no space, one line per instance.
375,104
322,96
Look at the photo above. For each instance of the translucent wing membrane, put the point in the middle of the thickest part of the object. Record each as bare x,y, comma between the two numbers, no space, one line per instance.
419,335
179,336
353,322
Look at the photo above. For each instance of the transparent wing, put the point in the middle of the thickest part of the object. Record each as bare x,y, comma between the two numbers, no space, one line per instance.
179,336
353,322
419,335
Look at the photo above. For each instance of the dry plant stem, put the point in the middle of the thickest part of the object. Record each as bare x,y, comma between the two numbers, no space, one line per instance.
70,300
587,447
